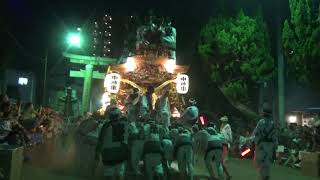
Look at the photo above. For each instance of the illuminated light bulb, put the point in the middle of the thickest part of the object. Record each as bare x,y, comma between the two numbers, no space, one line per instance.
170,65
74,39
130,64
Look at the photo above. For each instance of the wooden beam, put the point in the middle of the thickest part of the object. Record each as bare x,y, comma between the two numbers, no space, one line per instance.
81,74
78,74
98,75
80,59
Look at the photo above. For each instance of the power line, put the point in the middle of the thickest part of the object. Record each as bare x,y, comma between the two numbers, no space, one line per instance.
21,47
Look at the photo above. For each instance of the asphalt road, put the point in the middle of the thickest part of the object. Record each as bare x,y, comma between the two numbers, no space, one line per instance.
53,161
240,169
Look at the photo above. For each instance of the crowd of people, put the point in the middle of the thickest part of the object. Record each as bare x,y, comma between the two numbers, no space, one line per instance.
146,140
294,140
149,146
23,125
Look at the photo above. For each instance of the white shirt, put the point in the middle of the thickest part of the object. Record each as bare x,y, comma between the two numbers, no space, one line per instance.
226,133
201,139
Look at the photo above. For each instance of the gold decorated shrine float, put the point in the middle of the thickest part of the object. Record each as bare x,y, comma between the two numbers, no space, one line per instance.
153,64
143,71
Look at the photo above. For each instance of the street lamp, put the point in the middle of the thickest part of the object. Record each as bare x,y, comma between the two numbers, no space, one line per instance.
74,39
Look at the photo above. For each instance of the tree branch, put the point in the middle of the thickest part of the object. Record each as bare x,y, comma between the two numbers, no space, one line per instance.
249,113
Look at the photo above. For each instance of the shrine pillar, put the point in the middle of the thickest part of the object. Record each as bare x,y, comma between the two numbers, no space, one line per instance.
87,88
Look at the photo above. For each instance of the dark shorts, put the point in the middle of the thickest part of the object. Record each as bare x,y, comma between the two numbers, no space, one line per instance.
115,155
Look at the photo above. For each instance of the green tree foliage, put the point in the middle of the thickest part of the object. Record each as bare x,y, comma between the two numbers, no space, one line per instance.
238,54
301,42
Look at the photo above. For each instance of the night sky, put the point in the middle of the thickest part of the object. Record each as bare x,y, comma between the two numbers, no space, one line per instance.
31,26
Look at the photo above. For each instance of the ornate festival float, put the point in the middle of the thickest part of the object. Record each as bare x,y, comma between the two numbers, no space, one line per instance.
150,62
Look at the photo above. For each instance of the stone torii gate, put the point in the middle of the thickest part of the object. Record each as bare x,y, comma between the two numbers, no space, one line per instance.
88,74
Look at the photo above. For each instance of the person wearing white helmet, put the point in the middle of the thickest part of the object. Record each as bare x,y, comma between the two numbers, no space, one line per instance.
190,114
163,109
214,153
132,105
265,139
112,144
184,152
226,131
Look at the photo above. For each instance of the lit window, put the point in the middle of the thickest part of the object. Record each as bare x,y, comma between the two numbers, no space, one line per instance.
23,81
292,119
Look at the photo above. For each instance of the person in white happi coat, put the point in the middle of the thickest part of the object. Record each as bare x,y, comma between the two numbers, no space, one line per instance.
226,131
153,154
132,105
163,109
265,139
214,153
168,147
184,153
136,139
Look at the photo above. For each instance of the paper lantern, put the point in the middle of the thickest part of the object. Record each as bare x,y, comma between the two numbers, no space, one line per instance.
112,82
182,84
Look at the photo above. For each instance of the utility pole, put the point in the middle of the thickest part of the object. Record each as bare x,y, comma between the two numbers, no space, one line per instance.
281,77
45,79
